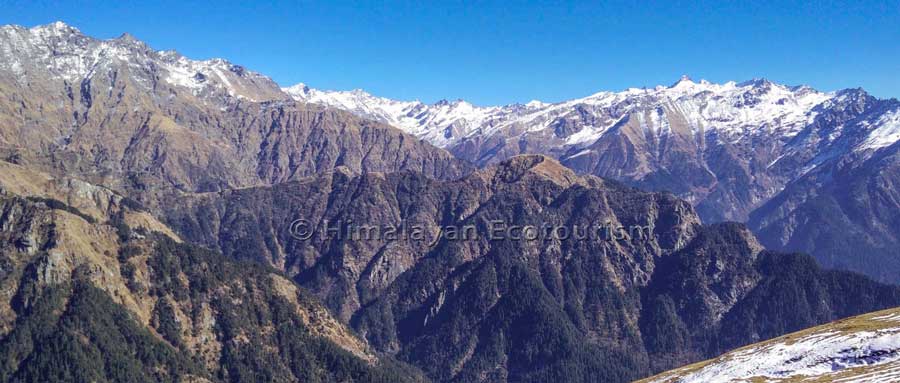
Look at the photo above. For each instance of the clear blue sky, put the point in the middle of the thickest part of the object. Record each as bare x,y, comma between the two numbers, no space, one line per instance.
504,52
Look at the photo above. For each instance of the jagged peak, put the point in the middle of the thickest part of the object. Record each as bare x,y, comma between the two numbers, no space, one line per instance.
128,40
526,160
852,97
756,82
297,88
514,168
535,104
56,28
170,54
684,80
852,92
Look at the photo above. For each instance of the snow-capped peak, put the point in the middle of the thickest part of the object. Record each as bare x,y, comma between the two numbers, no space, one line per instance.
535,104
734,109
756,82
57,28
60,51
685,80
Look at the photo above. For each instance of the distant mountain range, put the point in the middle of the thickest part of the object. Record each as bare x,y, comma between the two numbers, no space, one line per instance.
705,106
679,129
810,171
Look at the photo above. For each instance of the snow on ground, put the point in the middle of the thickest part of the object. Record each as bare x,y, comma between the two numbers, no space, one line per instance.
862,349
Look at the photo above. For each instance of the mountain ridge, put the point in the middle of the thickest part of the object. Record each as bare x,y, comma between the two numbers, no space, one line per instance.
754,151
361,101
121,114
470,309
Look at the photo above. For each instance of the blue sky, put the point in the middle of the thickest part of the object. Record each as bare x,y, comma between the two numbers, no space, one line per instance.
503,52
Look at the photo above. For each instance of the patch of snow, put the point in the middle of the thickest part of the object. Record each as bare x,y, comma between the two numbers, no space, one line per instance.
891,317
885,133
579,154
775,161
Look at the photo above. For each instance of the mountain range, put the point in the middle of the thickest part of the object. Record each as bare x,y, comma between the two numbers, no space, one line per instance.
148,204
810,171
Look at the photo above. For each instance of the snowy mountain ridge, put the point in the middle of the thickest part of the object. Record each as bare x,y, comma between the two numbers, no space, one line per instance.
427,122
64,53
727,148
734,108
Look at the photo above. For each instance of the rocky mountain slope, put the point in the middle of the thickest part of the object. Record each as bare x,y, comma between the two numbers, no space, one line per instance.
118,113
735,151
847,212
105,292
864,348
483,308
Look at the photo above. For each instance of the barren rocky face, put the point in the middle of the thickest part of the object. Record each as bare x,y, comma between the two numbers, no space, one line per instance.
847,213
